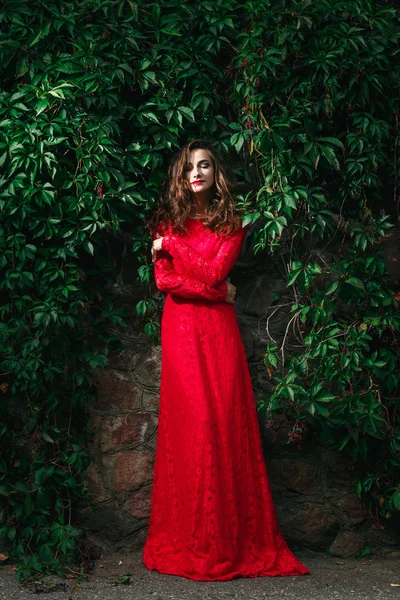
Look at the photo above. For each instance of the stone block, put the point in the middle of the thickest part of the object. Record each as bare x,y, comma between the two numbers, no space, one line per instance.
136,540
109,525
247,337
96,485
151,400
129,469
352,510
140,503
347,543
96,441
307,524
126,430
116,391
337,477
293,475
146,367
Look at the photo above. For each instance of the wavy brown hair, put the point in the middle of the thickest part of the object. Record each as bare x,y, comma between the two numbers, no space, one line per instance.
176,200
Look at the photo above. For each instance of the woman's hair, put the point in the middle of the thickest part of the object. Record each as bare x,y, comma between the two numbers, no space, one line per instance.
175,199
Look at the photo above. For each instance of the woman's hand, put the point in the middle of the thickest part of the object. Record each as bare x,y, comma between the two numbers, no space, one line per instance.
156,247
230,297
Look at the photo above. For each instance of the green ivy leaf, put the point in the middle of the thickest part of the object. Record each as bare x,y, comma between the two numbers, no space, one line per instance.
187,112
88,246
355,282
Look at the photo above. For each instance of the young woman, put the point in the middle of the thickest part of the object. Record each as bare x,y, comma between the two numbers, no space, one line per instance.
212,514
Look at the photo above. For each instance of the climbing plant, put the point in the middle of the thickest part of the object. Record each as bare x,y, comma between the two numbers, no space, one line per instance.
316,88
95,95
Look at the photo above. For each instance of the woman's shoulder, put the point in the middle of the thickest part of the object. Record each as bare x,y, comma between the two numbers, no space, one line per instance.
164,227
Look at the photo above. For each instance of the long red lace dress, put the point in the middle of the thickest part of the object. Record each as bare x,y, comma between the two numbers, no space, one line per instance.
212,514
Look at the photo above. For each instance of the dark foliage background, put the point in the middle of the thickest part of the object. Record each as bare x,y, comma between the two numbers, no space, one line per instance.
303,97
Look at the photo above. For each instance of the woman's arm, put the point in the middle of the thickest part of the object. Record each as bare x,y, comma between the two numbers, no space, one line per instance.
168,280
211,271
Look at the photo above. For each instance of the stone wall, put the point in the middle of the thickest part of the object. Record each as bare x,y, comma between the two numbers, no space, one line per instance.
313,490
125,425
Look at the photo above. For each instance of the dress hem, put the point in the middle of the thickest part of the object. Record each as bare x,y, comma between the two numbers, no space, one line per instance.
230,576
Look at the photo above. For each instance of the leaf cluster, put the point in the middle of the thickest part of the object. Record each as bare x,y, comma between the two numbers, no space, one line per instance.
316,88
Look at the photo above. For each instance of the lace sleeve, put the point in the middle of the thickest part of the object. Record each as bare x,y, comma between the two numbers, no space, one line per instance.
211,271
168,280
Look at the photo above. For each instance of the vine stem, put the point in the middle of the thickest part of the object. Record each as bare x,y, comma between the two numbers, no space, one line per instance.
271,315
282,348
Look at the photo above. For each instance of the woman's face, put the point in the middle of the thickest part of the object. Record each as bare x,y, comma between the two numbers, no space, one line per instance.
200,171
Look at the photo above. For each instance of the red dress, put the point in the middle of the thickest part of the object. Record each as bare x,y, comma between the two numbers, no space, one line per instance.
212,514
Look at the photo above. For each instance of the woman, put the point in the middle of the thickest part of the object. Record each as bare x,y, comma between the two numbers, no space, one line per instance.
212,515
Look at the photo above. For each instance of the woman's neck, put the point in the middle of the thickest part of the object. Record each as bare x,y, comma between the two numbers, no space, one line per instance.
200,205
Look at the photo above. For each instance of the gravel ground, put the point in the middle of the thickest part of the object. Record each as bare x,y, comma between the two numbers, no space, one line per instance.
331,579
